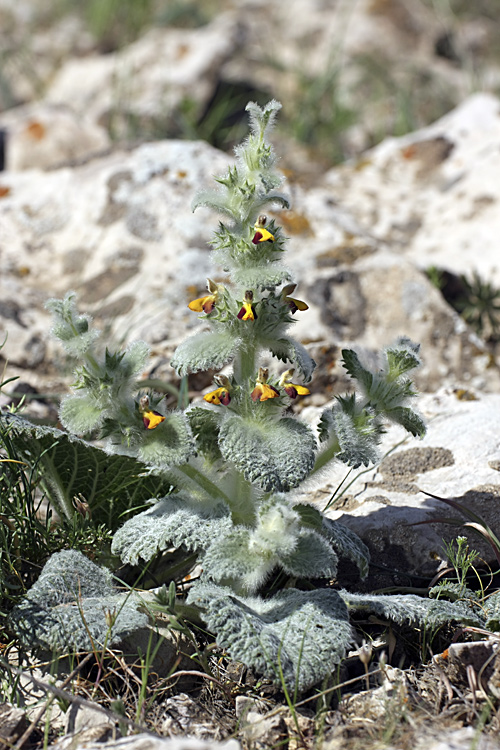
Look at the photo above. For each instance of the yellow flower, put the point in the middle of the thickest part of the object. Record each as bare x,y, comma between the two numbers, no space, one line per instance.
247,311
261,233
292,389
221,394
150,417
206,304
293,304
263,391
218,397
203,304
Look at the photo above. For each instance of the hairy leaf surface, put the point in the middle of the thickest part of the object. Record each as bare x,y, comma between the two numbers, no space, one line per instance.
74,605
174,521
205,351
289,350
410,608
301,634
277,455
348,544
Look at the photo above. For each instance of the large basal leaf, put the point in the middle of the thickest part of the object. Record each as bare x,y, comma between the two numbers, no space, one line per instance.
174,521
277,455
75,606
297,636
412,609
110,484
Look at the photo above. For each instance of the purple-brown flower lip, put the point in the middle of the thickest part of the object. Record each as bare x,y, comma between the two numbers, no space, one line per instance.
261,233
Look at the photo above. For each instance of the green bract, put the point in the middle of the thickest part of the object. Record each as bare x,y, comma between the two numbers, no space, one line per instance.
218,479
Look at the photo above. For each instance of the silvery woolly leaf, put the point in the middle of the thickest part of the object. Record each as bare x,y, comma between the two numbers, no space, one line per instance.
263,276
230,558
347,544
491,612
205,425
205,351
412,609
277,455
407,418
74,605
297,637
174,521
81,414
171,443
313,557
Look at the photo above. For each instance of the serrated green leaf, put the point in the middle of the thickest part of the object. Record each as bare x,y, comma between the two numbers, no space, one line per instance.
110,484
453,591
174,521
74,605
355,369
402,357
277,455
205,351
302,635
357,431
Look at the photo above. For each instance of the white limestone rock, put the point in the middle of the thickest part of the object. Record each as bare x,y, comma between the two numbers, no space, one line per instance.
147,81
459,458
433,196
41,136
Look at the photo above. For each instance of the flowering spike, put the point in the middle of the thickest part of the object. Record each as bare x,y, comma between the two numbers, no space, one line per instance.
247,310
261,233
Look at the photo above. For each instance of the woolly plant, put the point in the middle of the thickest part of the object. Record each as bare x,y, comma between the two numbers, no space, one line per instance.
234,458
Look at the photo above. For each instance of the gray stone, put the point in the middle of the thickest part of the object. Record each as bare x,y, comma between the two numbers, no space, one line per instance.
433,195
147,81
41,136
261,731
184,716
82,718
13,723
452,461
